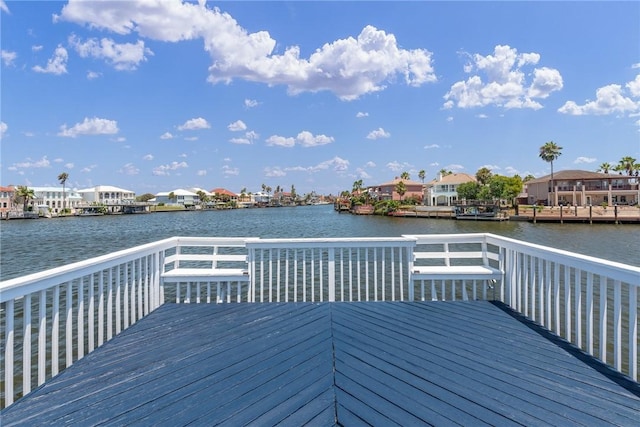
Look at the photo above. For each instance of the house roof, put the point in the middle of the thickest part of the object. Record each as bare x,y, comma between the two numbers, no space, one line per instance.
453,178
105,188
178,192
223,192
570,175
396,180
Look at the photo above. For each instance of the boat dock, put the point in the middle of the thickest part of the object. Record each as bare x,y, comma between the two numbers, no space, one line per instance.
442,329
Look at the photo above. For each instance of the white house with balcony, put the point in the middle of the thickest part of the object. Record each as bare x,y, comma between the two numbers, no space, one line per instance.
54,198
443,191
107,195
177,197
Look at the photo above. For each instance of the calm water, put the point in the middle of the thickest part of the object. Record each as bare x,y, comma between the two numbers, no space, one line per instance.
28,246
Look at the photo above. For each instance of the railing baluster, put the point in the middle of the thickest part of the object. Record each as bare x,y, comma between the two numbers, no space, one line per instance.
55,331
617,325
556,298
603,319
577,312
91,314
567,302
69,326
8,352
26,344
80,319
633,333
42,338
100,308
589,313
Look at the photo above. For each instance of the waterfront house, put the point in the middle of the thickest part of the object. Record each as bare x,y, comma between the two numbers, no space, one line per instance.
180,197
261,198
443,191
583,188
387,190
6,200
107,195
54,198
224,195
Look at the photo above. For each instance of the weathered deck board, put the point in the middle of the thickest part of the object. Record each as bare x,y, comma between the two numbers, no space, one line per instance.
438,363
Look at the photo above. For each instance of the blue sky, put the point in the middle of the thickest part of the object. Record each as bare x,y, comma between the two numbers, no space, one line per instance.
158,95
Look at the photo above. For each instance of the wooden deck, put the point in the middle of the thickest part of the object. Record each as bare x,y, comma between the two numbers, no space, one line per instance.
431,363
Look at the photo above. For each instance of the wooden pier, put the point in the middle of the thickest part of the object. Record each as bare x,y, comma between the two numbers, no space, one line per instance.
377,363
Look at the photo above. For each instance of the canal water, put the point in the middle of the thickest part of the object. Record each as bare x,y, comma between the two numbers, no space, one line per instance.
28,246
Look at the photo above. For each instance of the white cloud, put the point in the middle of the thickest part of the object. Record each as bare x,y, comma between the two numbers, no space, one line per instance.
36,48
237,126
166,135
88,169
92,75
129,169
274,172
3,7
634,86
584,160
430,146
229,171
249,138
490,167
193,124
360,114
8,57
122,56
307,139
165,170
504,84
378,133
280,141
304,138
148,157
3,129
191,138
201,172
56,64
609,99
93,126
250,103
31,164
336,164
396,166
349,67
362,174
370,165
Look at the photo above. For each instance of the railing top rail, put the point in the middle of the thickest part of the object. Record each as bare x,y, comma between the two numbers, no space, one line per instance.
615,270
334,242
447,238
209,241
20,286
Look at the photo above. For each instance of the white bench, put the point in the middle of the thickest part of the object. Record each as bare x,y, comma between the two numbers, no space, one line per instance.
205,261
451,258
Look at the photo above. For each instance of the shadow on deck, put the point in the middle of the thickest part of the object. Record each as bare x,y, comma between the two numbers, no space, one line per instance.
382,363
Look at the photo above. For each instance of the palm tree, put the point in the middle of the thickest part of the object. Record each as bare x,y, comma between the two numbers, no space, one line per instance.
549,152
627,164
172,196
405,175
605,167
357,186
483,175
24,194
62,178
401,189
421,175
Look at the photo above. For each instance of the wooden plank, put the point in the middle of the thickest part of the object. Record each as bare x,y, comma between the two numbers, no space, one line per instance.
323,364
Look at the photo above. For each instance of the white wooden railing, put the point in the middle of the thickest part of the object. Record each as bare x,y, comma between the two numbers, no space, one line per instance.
49,320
